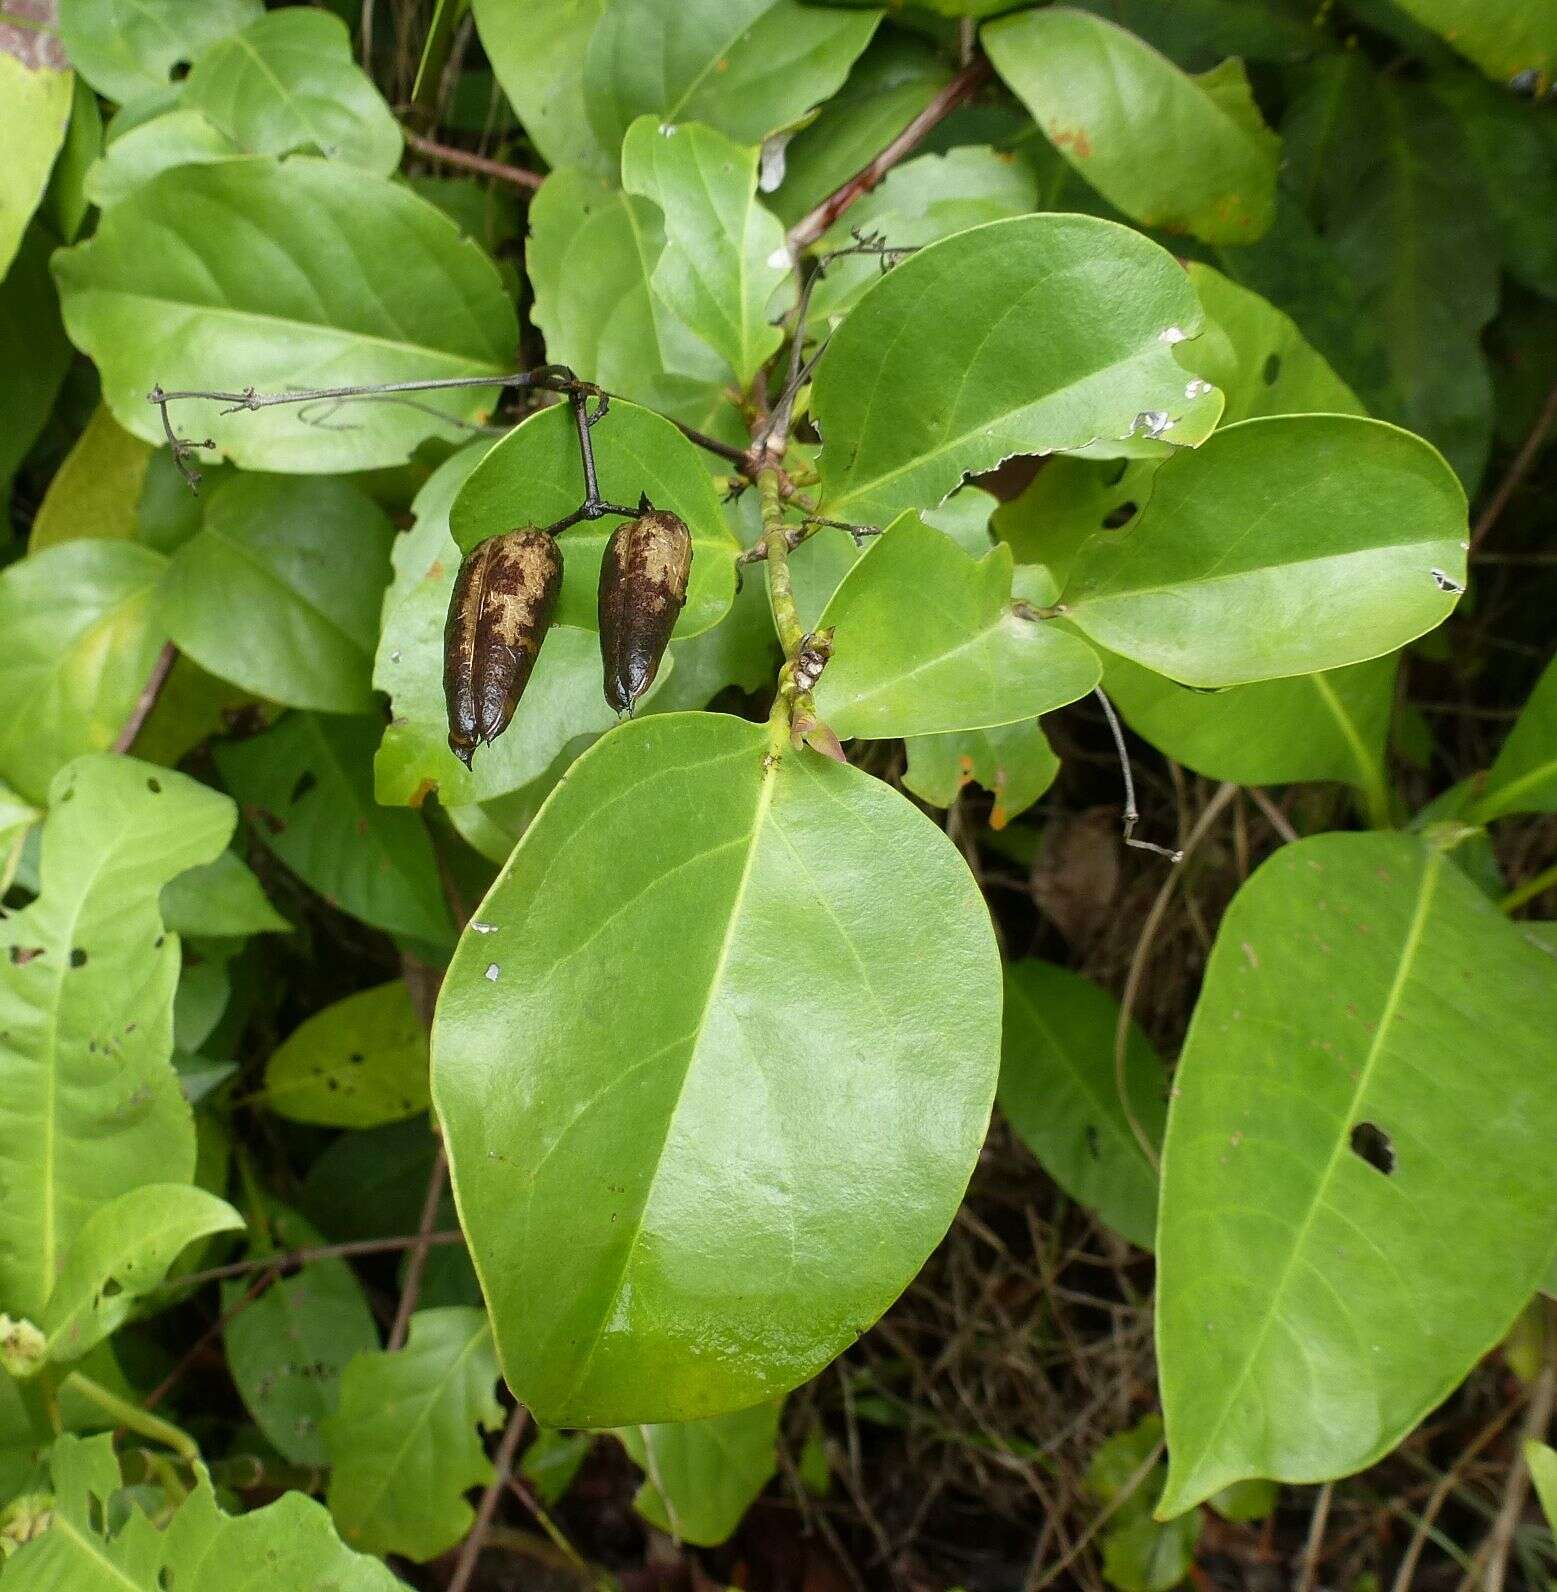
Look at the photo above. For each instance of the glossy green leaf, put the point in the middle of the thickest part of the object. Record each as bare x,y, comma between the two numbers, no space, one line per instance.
288,82
966,661
1275,732
1355,1107
279,590
38,353
35,98
126,49
404,1440
288,1545
95,491
1268,527
256,273
1186,154
307,784
16,820
1512,41
1199,33
746,67
122,1251
81,638
221,899
179,138
533,477
724,251
1023,336
590,254
287,1348
702,1476
536,48
1524,777
1059,1090
86,1007
666,1215
1543,1472
360,1062
1014,762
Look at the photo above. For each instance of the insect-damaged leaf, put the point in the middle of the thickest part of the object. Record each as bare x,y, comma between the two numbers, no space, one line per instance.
1358,1183
666,1213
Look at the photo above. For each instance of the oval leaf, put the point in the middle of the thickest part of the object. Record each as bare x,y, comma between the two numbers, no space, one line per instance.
1023,336
671,1090
1524,777
1282,546
128,48
533,477
1358,1182
904,666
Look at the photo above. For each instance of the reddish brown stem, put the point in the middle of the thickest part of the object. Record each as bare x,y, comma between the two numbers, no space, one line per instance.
465,160
502,1469
1518,470
147,700
809,228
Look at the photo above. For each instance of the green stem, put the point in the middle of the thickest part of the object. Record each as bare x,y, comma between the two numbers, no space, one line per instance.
1530,889
142,1422
781,589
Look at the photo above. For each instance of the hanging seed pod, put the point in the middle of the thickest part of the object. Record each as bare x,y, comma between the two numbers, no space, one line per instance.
504,596
643,585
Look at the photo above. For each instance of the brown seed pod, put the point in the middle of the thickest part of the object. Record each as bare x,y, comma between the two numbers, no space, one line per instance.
504,596
643,585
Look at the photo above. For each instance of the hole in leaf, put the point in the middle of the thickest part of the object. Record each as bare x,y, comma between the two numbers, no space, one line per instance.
1116,474
154,786
305,783
78,957
1272,370
1119,516
97,1520
165,1579
111,1289
1094,1144
1374,1146
180,71
21,955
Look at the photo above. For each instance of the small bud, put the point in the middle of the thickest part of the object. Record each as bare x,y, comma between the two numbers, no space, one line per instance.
643,585
504,596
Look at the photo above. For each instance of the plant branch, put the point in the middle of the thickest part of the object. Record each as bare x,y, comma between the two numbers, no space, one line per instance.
417,1263
1545,880
292,1258
131,1416
147,700
1518,470
809,228
502,1469
775,543
481,165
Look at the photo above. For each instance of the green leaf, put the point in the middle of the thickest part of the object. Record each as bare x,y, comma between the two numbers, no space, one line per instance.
121,1253
16,820
564,700
590,254
536,48
127,49
81,639
1198,33
903,666
372,1183
37,354
307,783
360,1062
65,203
1356,1107
702,1476
724,252
1267,528
288,82
279,591
404,1440
1543,1472
86,1009
533,477
1014,762
35,100
179,138
1147,1556
1059,1090
745,67
1275,732
1245,1500
256,273
1507,39
666,1214
95,491
1186,154
287,1348
221,900
1524,777
283,1547
1023,336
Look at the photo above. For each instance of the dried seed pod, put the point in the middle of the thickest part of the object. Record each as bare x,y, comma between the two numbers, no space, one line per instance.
504,596
643,585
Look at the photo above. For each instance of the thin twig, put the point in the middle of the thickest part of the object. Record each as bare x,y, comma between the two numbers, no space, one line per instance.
481,165
1500,1540
302,1257
1518,470
502,1468
1278,820
417,1263
147,700
1120,1499
1132,814
809,228
211,1333
1316,1538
